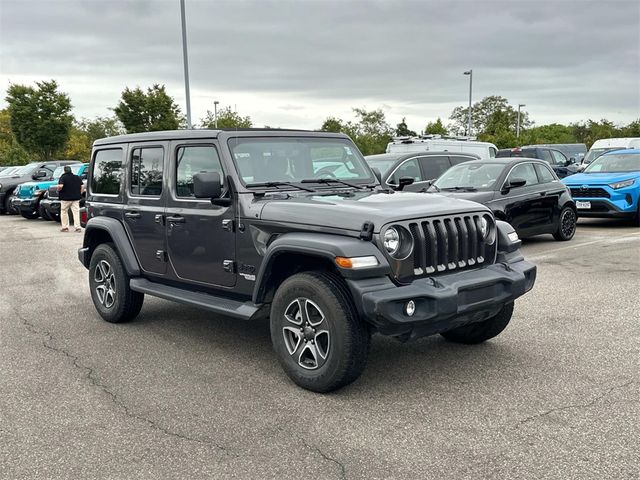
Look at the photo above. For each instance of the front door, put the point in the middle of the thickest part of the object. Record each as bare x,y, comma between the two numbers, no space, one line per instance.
200,236
144,213
523,204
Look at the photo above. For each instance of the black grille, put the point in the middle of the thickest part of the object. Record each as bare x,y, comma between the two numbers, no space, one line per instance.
589,193
449,243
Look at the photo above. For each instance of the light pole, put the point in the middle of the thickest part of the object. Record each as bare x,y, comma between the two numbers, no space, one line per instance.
215,113
470,73
520,105
186,64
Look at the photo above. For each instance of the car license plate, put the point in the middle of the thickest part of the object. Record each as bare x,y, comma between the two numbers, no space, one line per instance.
583,205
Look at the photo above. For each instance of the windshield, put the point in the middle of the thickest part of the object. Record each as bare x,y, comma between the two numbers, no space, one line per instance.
477,176
596,152
23,170
382,165
278,159
57,173
615,163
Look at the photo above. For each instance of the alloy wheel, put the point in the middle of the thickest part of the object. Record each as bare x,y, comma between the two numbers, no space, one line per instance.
568,223
106,284
306,334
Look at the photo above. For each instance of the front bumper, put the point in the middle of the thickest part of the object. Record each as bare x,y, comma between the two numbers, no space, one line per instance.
622,203
24,204
444,302
51,206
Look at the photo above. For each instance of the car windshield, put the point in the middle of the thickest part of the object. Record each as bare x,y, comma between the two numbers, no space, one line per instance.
615,163
57,173
382,165
476,176
23,170
596,152
278,159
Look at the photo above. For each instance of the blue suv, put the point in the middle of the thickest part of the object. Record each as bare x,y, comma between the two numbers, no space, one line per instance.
609,186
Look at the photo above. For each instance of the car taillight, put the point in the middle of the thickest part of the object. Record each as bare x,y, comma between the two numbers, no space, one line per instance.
83,217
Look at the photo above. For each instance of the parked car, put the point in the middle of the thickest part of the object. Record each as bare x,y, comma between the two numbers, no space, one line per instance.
609,187
244,224
575,152
49,207
522,191
30,195
562,166
39,171
420,168
439,143
606,145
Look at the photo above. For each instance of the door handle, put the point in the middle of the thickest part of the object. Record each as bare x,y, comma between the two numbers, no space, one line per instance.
177,219
132,215
543,194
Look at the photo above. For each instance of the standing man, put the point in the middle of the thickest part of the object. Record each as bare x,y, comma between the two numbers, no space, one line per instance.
70,187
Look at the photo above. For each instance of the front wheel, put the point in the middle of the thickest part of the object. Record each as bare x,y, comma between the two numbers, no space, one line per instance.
109,283
30,215
44,214
481,331
566,225
319,339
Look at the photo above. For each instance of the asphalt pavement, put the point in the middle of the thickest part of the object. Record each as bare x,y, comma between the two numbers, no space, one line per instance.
180,393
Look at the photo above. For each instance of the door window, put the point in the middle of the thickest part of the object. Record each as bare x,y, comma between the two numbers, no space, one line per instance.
544,173
526,172
409,168
107,172
434,166
146,171
456,160
194,159
558,157
546,156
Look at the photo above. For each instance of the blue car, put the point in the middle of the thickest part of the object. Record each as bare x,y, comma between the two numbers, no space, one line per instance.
609,187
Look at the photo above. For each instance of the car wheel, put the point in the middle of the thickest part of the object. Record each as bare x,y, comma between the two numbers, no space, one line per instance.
566,225
109,283
638,214
30,215
7,205
44,214
319,339
481,331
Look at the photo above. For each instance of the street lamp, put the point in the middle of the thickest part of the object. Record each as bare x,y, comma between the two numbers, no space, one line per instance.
186,64
520,105
470,73
215,113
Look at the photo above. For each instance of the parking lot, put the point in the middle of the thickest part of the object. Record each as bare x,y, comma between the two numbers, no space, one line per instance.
178,394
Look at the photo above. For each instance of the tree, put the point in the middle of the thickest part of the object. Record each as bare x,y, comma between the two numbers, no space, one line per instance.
11,153
435,128
332,124
227,118
402,130
151,111
370,133
40,117
85,132
493,113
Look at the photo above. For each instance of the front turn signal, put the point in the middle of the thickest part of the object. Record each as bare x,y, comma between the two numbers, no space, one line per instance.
357,262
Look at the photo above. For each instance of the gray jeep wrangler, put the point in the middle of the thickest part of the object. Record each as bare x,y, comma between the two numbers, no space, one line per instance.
293,226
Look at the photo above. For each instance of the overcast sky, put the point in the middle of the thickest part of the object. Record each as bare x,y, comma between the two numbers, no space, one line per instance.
294,63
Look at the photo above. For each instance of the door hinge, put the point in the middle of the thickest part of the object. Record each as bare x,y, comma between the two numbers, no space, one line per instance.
229,266
228,225
161,255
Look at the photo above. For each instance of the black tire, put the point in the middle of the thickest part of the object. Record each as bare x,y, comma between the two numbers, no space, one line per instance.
482,331
637,220
44,214
567,223
8,209
345,345
30,215
123,304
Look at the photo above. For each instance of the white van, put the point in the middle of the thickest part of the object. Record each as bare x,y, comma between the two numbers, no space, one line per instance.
438,143
601,146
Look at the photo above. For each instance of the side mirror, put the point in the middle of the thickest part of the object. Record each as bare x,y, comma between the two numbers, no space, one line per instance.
404,181
513,183
207,185
40,174
377,173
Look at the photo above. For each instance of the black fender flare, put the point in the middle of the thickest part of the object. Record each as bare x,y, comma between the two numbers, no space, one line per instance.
319,245
116,231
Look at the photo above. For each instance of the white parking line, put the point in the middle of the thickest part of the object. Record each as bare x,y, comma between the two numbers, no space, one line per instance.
550,253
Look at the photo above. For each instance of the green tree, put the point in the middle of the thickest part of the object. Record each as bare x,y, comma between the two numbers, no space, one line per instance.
489,115
84,132
151,111
227,118
402,130
436,128
11,153
40,118
332,124
370,132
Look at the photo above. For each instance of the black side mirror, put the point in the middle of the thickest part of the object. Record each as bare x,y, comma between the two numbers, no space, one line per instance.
404,181
207,185
515,183
377,173
39,174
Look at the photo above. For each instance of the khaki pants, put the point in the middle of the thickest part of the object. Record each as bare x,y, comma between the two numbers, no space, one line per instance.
65,205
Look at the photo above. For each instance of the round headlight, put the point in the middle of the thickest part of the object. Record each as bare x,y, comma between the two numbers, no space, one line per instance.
484,228
391,240
487,229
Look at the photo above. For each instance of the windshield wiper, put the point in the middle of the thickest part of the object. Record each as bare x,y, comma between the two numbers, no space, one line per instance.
279,184
333,180
435,186
466,189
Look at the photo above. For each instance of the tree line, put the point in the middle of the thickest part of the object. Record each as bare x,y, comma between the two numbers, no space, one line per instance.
38,124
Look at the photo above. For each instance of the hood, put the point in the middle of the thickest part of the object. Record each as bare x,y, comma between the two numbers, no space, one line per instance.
599,178
480,197
26,189
350,212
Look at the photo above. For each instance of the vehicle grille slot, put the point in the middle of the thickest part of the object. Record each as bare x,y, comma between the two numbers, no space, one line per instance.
452,235
462,242
443,245
479,242
420,254
472,238
591,192
432,246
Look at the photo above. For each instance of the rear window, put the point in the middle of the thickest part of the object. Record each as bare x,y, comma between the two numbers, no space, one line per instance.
107,172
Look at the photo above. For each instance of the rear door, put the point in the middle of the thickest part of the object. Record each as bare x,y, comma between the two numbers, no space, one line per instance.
144,211
560,162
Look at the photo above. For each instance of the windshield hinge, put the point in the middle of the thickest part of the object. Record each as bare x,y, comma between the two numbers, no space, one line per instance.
366,232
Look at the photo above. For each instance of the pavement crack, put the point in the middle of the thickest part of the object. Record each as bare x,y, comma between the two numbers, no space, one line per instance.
576,405
343,470
49,343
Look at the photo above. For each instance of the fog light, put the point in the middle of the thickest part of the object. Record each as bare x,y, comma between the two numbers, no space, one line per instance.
410,308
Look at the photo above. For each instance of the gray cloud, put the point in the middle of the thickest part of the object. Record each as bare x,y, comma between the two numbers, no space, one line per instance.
292,63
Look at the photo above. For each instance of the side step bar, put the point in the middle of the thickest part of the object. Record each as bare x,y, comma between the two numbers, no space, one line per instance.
220,305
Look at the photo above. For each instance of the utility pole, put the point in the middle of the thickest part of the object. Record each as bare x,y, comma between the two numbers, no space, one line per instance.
520,105
470,73
215,113
186,64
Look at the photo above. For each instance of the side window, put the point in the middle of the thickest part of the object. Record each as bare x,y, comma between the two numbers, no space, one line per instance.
194,159
409,168
544,173
146,171
546,156
434,166
526,172
492,152
559,157
456,160
107,172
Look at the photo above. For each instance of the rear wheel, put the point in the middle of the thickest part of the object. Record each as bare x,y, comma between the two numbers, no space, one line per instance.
566,225
30,215
481,331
